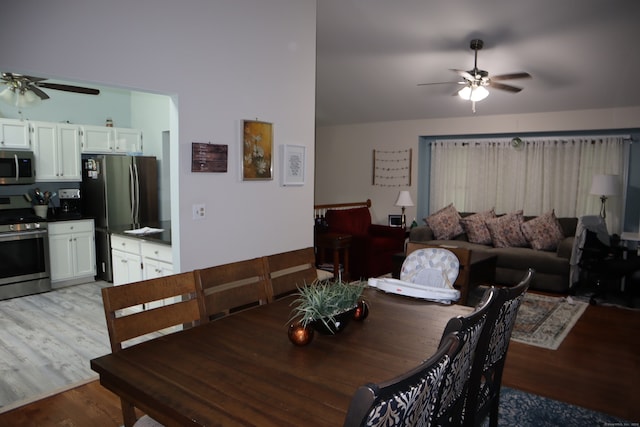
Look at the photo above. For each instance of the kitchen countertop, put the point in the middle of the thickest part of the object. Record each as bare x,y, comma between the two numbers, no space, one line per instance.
162,237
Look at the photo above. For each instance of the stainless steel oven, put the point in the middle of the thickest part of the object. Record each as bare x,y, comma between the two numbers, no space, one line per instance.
24,251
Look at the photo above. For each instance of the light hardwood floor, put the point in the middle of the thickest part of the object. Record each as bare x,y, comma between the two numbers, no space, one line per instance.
596,367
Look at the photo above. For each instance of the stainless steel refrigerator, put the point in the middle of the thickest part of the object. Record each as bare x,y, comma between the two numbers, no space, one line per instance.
120,192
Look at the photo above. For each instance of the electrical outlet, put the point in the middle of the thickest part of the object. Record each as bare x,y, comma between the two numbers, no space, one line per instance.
198,211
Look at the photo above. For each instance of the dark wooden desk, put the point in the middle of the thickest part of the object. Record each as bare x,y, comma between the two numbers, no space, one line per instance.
336,242
243,370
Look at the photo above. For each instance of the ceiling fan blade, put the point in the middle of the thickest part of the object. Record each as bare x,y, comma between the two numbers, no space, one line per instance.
511,76
502,86
68,88
38,92
464,74
442,83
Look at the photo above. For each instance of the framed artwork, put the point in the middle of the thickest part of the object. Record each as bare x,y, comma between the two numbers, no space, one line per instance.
257,150
392,168
209,157
395,220
293,165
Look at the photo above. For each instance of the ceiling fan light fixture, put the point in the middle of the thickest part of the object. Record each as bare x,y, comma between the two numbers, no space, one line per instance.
27,98
473,93
9,95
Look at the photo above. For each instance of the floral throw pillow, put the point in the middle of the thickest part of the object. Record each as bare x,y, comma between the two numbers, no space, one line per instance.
475,227
506,230
544,232
445,223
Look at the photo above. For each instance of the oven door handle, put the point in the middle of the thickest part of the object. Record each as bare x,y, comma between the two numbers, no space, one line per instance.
19,235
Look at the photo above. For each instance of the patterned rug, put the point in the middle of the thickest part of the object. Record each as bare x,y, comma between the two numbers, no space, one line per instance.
545,321
521,409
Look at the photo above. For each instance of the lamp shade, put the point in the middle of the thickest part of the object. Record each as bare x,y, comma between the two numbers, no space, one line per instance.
404,199
473,93
605,185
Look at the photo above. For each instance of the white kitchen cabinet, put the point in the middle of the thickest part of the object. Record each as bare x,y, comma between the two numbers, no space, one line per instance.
126,260
157,260
56,148
14,134
97,139
72,252
109,140
127,140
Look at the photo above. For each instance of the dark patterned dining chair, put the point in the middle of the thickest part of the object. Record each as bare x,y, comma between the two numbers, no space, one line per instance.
232,287
491,354
407,400
145,310
456,383
291,270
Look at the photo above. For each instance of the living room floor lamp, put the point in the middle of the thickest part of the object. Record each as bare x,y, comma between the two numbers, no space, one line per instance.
604,186
404,200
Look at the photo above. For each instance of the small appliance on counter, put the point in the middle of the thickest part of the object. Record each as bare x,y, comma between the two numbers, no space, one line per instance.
70,202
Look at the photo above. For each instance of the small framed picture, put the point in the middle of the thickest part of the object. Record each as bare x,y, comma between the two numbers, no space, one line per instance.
209,157
257,150
395,220
293,164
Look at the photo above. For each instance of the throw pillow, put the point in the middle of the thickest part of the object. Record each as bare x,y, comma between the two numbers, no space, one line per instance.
475,227
445,223
544,232
505,230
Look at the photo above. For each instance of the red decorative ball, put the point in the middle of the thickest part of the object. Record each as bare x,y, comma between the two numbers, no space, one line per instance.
300,335
362,310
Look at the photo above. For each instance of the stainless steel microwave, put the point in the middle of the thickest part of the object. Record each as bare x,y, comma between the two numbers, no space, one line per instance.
17,167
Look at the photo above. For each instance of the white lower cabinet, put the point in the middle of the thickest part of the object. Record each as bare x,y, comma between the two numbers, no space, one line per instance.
134,260
71,252
126,260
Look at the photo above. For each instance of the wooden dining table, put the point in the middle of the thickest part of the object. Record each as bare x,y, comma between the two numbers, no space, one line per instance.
242,370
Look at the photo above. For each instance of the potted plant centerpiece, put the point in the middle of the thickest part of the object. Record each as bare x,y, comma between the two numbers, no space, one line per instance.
327,306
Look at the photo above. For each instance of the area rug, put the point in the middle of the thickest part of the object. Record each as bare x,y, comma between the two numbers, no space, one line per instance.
544,321
518,408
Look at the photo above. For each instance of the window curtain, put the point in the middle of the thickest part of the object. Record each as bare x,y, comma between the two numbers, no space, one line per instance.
537,176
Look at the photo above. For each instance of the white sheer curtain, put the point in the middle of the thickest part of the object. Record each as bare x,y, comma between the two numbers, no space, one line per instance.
540,175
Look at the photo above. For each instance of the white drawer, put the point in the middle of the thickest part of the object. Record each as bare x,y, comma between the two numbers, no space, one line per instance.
157,251
68,227
125,244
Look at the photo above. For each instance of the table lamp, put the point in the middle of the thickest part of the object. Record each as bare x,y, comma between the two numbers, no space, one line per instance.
404,200
604,186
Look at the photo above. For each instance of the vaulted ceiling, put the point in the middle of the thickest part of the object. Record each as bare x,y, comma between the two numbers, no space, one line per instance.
372,54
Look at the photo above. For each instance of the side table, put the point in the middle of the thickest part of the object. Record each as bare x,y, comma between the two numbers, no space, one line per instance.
336,242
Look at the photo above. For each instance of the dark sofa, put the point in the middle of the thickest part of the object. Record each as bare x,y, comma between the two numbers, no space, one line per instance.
552,267
372,245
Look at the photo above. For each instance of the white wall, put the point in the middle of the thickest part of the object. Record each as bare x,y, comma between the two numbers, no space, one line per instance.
221,61
344,154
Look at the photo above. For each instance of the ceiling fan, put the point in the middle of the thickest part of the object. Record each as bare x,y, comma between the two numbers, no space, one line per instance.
24,91
476,81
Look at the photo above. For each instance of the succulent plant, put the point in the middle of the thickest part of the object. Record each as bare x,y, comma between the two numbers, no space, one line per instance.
324,299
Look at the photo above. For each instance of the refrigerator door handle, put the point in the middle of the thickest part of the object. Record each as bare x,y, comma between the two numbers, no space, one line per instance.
132,194
137,192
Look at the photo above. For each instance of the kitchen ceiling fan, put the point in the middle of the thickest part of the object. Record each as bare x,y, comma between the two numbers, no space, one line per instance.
476,81
24,91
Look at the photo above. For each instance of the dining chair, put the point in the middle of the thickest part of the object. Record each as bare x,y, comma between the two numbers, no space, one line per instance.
229,288
144,310
455,387
290,270
407,400
486,374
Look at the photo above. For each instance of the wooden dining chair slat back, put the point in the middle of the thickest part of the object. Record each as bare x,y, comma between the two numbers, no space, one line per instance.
456,383
491,354
140,308
290,270
407,400
228,288
144,310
